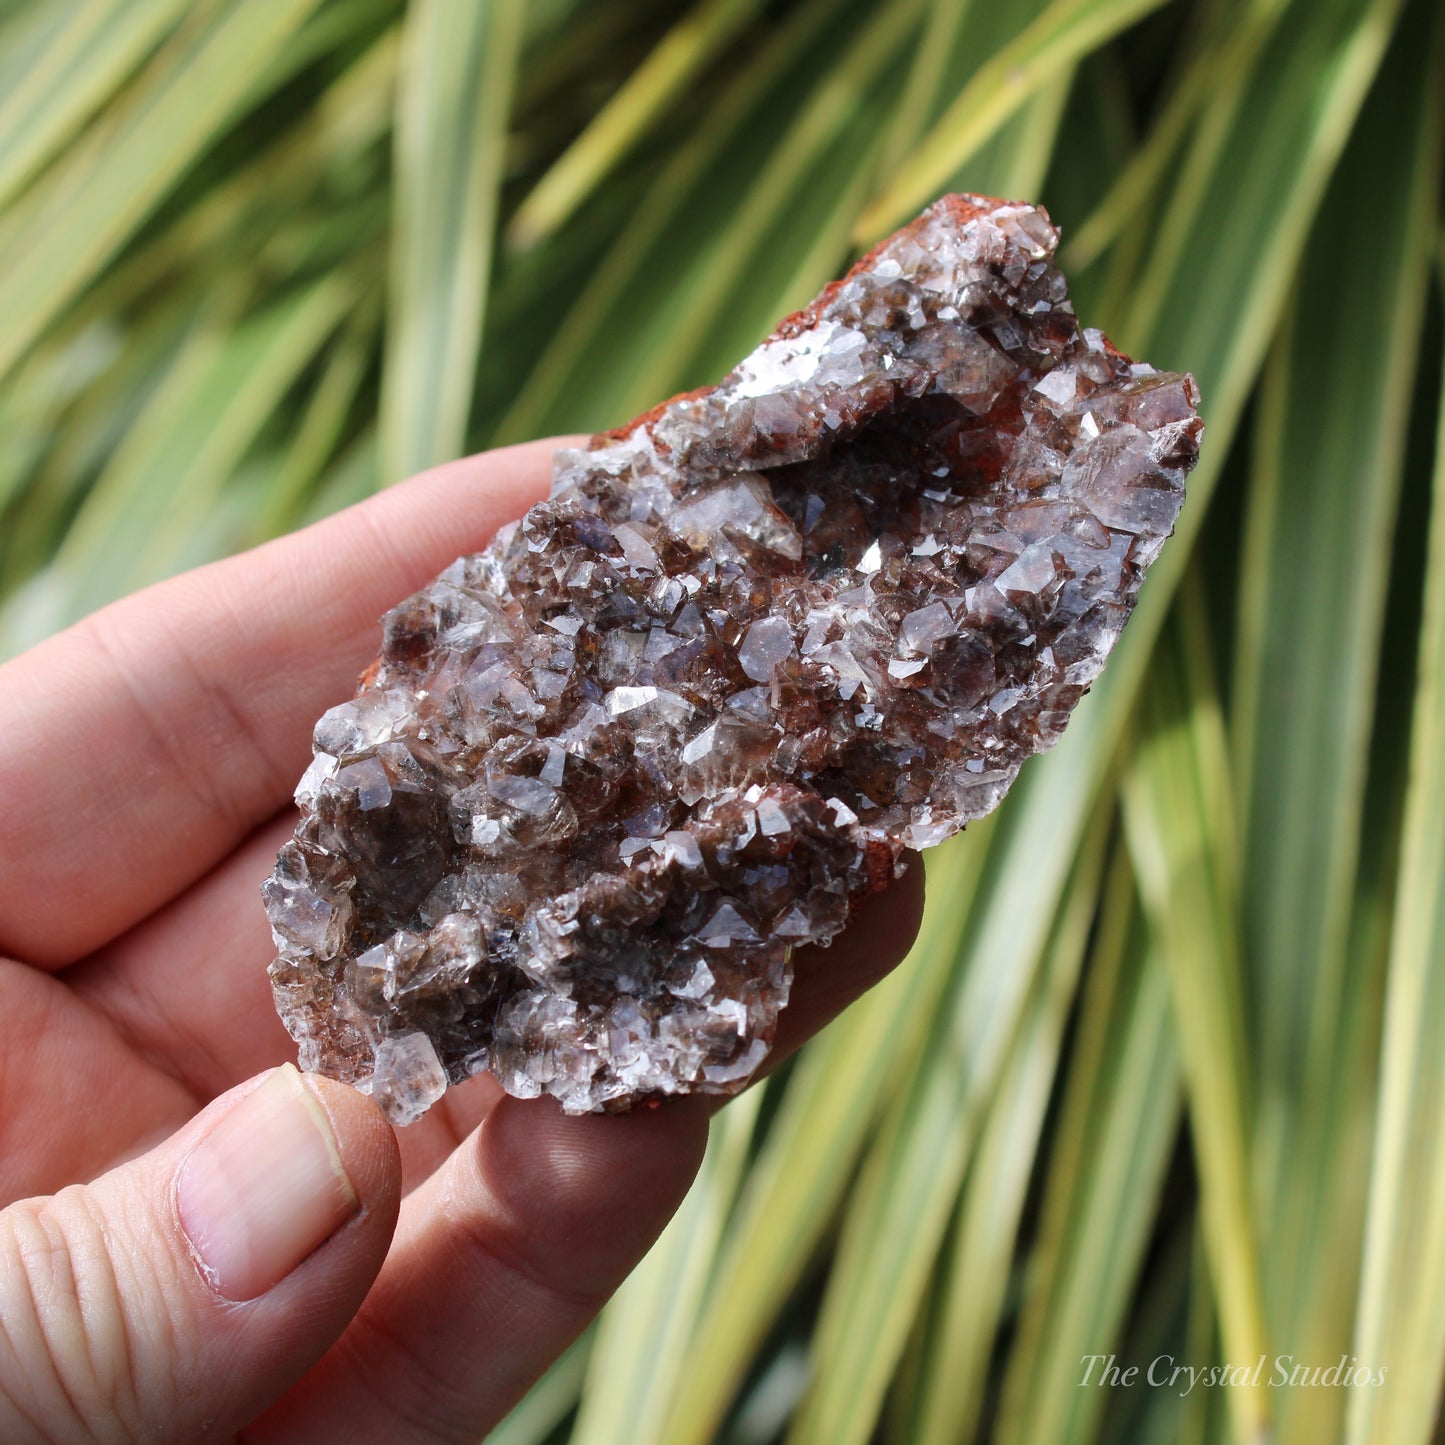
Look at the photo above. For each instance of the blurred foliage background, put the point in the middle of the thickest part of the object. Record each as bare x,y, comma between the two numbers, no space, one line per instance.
1165,1075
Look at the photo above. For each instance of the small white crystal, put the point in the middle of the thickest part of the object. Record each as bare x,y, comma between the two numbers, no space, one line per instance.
408,1078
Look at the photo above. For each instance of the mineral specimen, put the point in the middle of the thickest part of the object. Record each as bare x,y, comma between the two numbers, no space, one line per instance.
608,772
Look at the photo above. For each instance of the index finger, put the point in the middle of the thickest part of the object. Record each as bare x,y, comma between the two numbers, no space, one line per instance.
145,742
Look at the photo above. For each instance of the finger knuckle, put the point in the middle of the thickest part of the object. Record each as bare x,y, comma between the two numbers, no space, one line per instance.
507,1244
67,1350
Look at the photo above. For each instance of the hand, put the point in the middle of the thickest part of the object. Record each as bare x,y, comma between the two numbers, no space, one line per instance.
207,1248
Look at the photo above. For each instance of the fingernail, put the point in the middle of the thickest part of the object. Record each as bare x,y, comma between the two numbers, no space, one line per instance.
264,1188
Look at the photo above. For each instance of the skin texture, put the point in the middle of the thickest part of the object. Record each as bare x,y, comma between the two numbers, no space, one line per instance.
150,755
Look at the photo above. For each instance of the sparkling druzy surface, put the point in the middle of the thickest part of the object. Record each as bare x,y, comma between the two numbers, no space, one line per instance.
608,772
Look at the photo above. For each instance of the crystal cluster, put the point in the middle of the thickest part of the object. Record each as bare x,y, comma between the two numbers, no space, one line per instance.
607,773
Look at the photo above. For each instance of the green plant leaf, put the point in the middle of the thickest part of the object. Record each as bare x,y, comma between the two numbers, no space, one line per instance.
1041,54
833,1094
1121,1108
453,101
959,1341
1400,1325
910,1181
1216,76
651,89
1182,839
1318,544
535,1419
695,195
99,194
136,523
63,82
645,1335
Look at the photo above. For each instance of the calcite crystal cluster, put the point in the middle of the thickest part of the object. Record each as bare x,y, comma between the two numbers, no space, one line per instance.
610,771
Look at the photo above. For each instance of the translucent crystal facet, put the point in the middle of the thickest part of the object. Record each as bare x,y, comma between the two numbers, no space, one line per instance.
609,772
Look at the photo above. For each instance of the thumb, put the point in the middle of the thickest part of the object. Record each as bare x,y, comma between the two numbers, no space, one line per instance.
184,1291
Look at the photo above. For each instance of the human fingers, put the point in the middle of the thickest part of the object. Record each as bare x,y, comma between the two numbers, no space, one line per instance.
505,1253
145,742
181,1293
500,1260
187,987
59,1058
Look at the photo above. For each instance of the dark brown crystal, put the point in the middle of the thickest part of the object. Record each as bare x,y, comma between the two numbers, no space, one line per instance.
608,772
